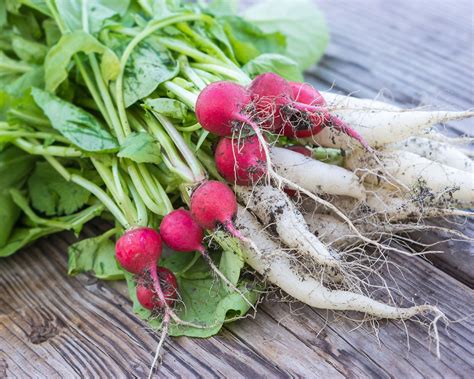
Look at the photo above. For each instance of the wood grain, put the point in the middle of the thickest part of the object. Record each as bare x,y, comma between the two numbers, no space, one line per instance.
54,326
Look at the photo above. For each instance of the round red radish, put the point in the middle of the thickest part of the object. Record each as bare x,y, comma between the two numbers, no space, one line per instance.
220,107
240,160
306,94
138,249
302,124
214,203
270,94
181,232
147,296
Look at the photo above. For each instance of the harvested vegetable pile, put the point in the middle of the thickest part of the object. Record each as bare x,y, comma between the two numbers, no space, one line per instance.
190,127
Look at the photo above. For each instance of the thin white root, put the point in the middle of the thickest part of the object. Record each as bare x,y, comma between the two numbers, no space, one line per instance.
278,269
379,128
273,208
316,176
436,151
164,334
437,182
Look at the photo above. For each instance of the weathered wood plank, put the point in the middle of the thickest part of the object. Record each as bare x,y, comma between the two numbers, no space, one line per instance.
54,326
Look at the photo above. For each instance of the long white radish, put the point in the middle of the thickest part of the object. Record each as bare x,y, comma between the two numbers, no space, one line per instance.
329,229
315,176
440,152
379,128
342,103
272,262
274,209
420,175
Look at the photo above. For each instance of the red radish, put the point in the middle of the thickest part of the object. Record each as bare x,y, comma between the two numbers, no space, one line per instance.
270,94
182,233
221,108
212,204
138,249
306,94
147,296
302,150
241,160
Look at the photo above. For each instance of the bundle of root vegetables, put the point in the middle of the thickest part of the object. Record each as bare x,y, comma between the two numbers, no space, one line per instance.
150,119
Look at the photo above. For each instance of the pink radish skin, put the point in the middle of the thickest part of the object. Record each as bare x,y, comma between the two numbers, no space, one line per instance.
306,94
270,93
241,161
212,204
147,296
221,106
138,249
181,233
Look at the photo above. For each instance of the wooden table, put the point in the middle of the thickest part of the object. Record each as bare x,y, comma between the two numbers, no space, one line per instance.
55,326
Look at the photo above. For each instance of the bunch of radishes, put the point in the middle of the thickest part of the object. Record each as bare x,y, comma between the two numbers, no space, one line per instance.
270,103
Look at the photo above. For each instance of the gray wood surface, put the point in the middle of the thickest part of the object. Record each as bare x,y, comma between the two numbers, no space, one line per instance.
54,326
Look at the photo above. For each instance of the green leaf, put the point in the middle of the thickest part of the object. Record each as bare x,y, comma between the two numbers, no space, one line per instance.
39,5
249,41
9,213
15,166
24,83
74,123
141,148
3,14
98,12
222,7
51,31
300,21
59,57
279,64
24,236
29,51
168,107
149,65
52,195
95,255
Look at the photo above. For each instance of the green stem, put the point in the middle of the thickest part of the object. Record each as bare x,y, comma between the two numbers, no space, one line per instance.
98,192
233,74
122,200
186,29
57,151
189,129
183,148
40,135
29,118
190,74
175,162
155,188
142,191
142,212
188,50
184,95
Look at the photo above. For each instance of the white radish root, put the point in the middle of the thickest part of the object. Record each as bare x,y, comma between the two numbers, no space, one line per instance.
379,128
277,268
274,209
437,182
436,151
315,176
342,103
